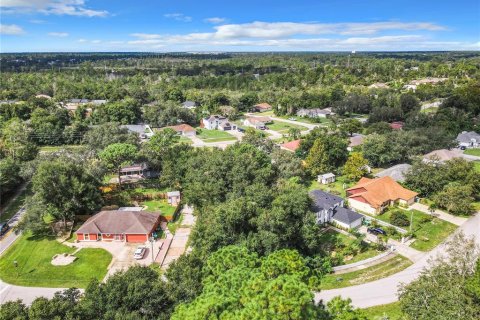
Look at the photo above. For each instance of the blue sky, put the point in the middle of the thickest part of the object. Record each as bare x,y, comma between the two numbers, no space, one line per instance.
271,25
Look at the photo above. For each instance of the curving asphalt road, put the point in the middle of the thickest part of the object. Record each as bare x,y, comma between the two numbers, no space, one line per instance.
384,291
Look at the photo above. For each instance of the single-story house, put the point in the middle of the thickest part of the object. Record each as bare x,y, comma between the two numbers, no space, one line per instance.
189,104
261,107
375,195
396,172
412,85
257,122
442,155
355,140
173,198
469,139
326,178
73,104
291,146
378,85
43,96
213,122
329,208
125,226
184,130
143,130
315,113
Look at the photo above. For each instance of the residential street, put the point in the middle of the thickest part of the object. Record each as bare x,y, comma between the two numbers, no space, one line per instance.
384,291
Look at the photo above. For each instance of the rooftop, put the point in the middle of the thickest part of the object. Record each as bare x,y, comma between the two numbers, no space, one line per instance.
397,172
323,200
291,146
345,215
115,222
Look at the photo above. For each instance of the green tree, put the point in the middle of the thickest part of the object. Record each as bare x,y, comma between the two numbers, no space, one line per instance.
441,292
15,142
456,198
117,155
326,154
356,166
157,146
67,189
99,137
350,126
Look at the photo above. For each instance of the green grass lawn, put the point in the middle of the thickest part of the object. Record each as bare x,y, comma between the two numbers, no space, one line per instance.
473,152
391,310
335,242
160,205
477,165
34,267
334,188
428,234
214,135
283,127
16,204
185,140
382,270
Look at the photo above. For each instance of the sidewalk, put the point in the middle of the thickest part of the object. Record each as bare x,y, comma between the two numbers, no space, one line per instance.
406,251
440,214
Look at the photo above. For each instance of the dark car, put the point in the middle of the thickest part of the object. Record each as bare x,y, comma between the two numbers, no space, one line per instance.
4,227
376,231
240,129
463,148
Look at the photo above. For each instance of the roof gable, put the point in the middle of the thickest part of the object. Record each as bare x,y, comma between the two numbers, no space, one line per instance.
116,222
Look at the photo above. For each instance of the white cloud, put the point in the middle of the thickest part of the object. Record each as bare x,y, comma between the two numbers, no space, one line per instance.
145,35
178,17
82,40
58,34
96,41
215,20
11,29
56,7
37,21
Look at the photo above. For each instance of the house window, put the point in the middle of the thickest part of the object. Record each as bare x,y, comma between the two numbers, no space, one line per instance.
118,237
86,236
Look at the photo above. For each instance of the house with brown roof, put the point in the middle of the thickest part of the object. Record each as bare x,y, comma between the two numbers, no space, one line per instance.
375,195
257,122
261,107
291,146
183,130
116,225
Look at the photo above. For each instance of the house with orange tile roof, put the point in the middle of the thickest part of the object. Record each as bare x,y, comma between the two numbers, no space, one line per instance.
291,146
375,195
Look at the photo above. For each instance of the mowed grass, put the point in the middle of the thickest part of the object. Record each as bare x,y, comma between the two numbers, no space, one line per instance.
160,205
428,234
391,311
476,164
473,152
16,204
283,127
336,188
214,135
382,270
35,269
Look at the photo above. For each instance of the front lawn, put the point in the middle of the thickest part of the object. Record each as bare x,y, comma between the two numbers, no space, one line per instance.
283,127
379,271
343,248
34,268
214,135
473,152
429,233
391,311
336,188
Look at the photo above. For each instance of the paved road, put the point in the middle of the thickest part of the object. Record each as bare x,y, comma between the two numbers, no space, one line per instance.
27,294
385,290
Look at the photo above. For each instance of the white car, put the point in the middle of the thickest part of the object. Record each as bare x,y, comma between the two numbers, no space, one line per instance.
292,119
139,253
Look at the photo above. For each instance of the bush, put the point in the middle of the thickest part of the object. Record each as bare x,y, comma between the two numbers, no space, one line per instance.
426,219
399,219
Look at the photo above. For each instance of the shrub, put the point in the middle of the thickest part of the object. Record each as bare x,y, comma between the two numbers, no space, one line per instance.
399,219
426,219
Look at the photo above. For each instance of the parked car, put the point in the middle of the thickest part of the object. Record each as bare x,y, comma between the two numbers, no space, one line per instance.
4,227
292,119
376,231
139,253
463,148
240,129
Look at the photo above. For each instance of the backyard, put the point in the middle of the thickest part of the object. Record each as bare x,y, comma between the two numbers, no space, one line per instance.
33,256
336,188
428,232
214,135
379,271
155,203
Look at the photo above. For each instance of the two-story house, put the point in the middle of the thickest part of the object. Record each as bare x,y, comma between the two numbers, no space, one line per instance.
330,208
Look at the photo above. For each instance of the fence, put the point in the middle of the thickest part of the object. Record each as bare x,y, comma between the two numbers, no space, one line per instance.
383,223
363,262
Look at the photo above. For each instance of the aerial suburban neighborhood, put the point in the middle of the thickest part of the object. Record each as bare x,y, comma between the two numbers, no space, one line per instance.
197,160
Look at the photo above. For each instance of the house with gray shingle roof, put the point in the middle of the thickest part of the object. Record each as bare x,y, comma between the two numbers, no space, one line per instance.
330,208
469,139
